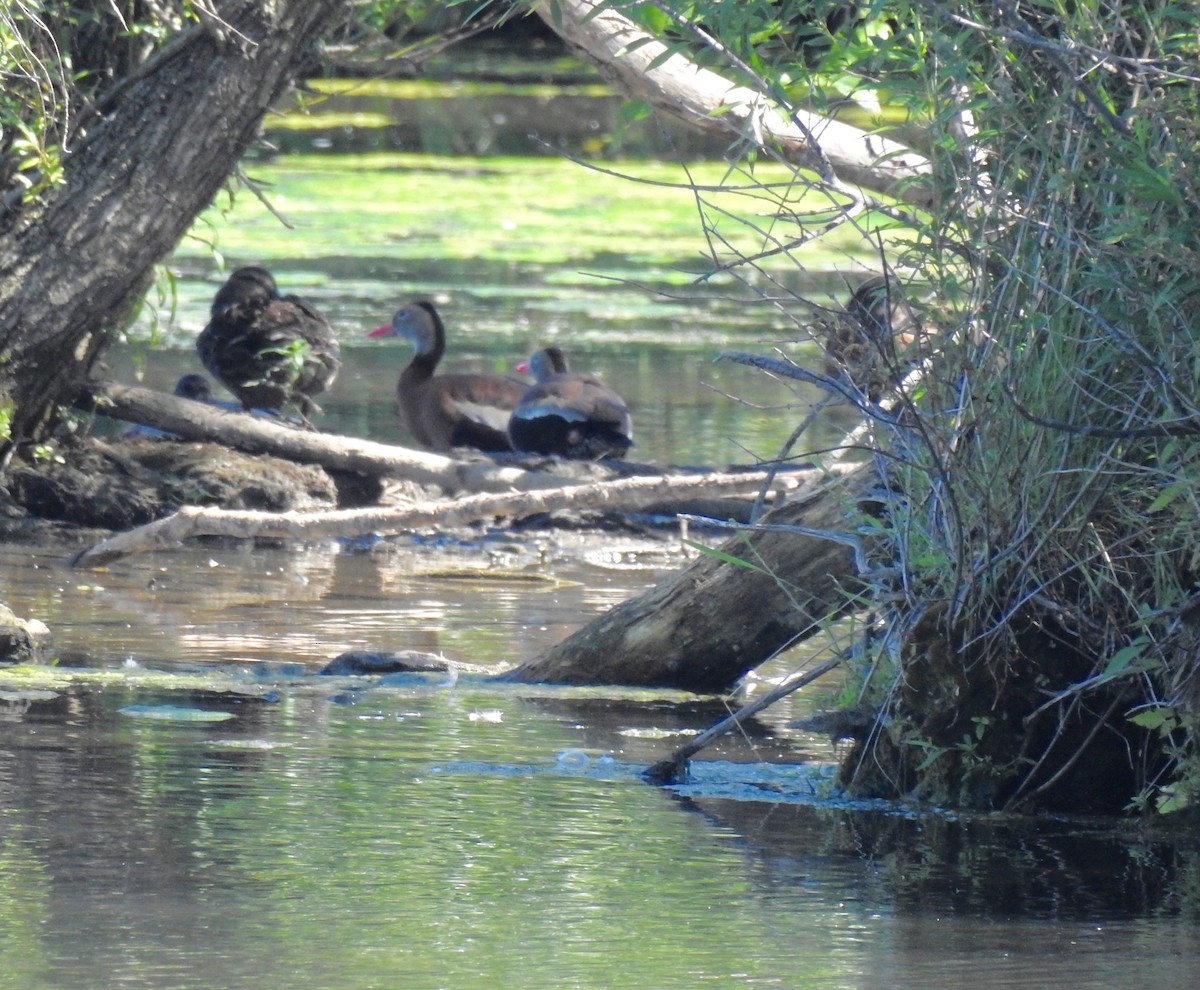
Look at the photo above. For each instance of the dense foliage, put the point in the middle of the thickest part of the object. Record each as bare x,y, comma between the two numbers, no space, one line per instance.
1034,574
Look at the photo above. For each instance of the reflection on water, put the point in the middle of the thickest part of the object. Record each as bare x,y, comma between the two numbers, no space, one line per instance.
349,834
403,840
221,603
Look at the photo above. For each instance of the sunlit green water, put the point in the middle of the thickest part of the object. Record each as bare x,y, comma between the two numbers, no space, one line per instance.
518,254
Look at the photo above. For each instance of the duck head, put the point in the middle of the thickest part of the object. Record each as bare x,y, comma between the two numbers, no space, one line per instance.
544,363
418,323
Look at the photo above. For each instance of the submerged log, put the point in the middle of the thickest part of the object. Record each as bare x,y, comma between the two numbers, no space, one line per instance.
672,769
704,628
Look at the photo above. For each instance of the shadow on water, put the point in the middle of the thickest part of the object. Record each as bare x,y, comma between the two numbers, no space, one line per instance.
943,864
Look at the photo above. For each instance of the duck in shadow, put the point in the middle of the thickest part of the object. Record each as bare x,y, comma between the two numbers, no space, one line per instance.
867,340
269,350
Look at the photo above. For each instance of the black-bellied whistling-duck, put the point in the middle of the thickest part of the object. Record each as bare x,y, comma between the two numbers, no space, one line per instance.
444,411
269,350
879,323
569,414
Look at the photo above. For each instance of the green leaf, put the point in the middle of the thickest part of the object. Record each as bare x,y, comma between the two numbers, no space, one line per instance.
728,558
1166,497
1155,718
664,56
1123,659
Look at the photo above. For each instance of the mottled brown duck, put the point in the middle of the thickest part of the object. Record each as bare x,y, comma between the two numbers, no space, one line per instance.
269,350
865,343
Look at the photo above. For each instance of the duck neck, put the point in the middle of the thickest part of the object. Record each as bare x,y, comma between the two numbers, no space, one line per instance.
431,349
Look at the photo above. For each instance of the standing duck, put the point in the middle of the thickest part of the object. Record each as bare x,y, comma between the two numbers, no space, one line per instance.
569,414
268,350
444,411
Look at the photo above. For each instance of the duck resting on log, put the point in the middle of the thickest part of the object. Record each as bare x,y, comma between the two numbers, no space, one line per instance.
569,414
269,350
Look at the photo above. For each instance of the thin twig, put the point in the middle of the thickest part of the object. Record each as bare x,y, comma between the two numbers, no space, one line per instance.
670,770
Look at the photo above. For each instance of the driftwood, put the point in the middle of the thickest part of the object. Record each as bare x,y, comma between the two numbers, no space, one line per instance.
193,521
191,420
708,625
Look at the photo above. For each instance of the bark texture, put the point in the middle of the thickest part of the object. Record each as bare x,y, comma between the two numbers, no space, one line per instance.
160,147
641,68
705,627
265,435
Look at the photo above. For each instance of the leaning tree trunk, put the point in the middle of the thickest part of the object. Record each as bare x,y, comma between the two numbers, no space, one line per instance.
712,622
644,68
163,143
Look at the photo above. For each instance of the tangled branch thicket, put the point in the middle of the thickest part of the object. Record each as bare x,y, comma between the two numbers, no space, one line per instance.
1058,503
1034,574
1046,531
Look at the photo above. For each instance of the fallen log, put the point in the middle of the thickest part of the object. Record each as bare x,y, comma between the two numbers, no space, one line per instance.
194,521
643,68
191,420
704,628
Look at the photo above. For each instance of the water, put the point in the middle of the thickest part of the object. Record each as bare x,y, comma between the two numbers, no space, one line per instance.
344,834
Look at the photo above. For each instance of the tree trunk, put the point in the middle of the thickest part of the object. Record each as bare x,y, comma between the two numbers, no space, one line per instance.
72,268
705,627
644,68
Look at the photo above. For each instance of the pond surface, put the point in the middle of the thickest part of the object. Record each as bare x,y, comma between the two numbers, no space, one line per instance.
185,804
342,833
